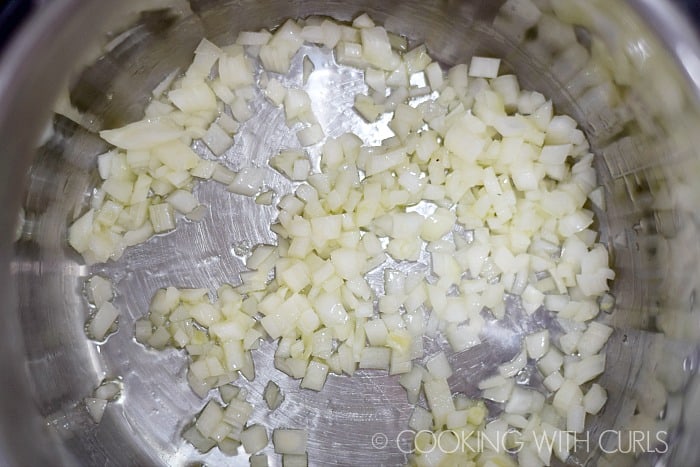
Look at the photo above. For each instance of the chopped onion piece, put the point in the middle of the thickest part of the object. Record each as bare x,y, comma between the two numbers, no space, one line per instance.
595,399
377,358
376,48
289,441
96,408
523,401
205,55
228,392
537,344
311,135
237,414
235,71
550,362
275,92
514,366
200,442
217,139
99,290
143,329
272,395
143,134
500,393
162,217
350,54
104,164
587,369
568,395
193,98
295,460
412,382
315,376
483,67
209,419
258,460
297,105
108,390
438,366
103,320
593,339
363,21
553,381
183,201
261,37
254,438
265,198
420,419
575,419
248,181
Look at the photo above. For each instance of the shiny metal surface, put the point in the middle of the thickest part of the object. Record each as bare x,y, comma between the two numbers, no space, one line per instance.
645,134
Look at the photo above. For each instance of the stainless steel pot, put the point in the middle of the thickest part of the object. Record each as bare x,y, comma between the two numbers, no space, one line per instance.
640,109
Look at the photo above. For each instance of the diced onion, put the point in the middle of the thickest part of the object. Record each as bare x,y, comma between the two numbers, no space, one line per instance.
514,366
439,366
142,135
102,321
254,438
272,395
595,399
99,290
315,376
503,182
258,460
108,390
289,441
217,139
483,67
295,460
248,181
96,408
183,201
